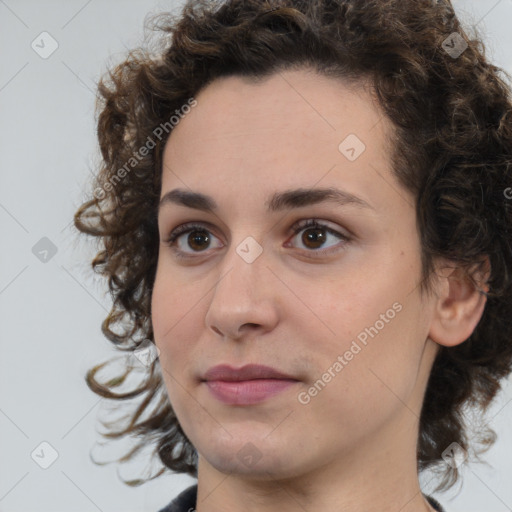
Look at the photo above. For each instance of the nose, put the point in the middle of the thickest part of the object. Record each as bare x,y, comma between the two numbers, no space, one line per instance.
246,296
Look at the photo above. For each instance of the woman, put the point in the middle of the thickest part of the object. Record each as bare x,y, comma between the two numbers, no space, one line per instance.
304,215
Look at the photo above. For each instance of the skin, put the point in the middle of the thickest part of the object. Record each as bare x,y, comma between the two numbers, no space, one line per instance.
352,447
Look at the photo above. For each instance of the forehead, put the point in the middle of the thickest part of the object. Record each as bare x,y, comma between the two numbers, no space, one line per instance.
287,103
294,126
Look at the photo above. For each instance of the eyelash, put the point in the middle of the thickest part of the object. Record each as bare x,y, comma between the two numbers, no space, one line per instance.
296,228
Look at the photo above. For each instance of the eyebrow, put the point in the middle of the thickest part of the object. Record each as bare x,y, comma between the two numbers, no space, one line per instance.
286,200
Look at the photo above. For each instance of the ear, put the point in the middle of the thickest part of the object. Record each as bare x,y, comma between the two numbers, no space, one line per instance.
460,302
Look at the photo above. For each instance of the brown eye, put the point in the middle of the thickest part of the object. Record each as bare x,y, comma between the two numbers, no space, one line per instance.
316,234
197,240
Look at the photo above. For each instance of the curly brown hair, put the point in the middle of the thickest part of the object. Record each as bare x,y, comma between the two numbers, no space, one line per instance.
452,117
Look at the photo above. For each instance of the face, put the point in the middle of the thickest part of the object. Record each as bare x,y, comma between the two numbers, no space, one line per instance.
335,306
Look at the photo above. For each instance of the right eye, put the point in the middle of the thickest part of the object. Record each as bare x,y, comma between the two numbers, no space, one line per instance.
199,237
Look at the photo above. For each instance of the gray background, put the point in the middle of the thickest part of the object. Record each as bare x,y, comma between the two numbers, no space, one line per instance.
51,310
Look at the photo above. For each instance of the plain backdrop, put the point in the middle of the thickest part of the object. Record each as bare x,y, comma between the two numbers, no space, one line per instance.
51,306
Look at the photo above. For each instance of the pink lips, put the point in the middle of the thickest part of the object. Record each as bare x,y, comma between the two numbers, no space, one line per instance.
247,385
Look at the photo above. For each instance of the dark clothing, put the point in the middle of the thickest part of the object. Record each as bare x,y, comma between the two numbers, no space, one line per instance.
186,502
434,503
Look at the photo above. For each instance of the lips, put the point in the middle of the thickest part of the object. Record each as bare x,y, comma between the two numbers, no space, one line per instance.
248,385
227,373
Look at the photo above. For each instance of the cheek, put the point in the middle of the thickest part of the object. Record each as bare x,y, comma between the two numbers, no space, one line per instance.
379,372
375,323
171,316
177,331
358,387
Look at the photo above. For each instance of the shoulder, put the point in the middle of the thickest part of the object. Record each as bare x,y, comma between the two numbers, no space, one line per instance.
184,502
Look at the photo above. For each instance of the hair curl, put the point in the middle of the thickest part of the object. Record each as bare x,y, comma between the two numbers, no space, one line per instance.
452,149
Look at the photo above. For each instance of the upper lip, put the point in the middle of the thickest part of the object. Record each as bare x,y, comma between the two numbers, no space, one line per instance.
247,372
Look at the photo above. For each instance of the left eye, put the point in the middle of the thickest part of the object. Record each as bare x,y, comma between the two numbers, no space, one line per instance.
318,234
199,237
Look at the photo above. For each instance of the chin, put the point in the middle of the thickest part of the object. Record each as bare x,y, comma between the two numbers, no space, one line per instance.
252,456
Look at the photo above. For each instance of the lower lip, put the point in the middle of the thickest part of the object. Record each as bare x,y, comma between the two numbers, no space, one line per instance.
247,392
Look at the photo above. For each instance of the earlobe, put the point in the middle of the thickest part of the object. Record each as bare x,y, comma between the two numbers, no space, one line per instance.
459,305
